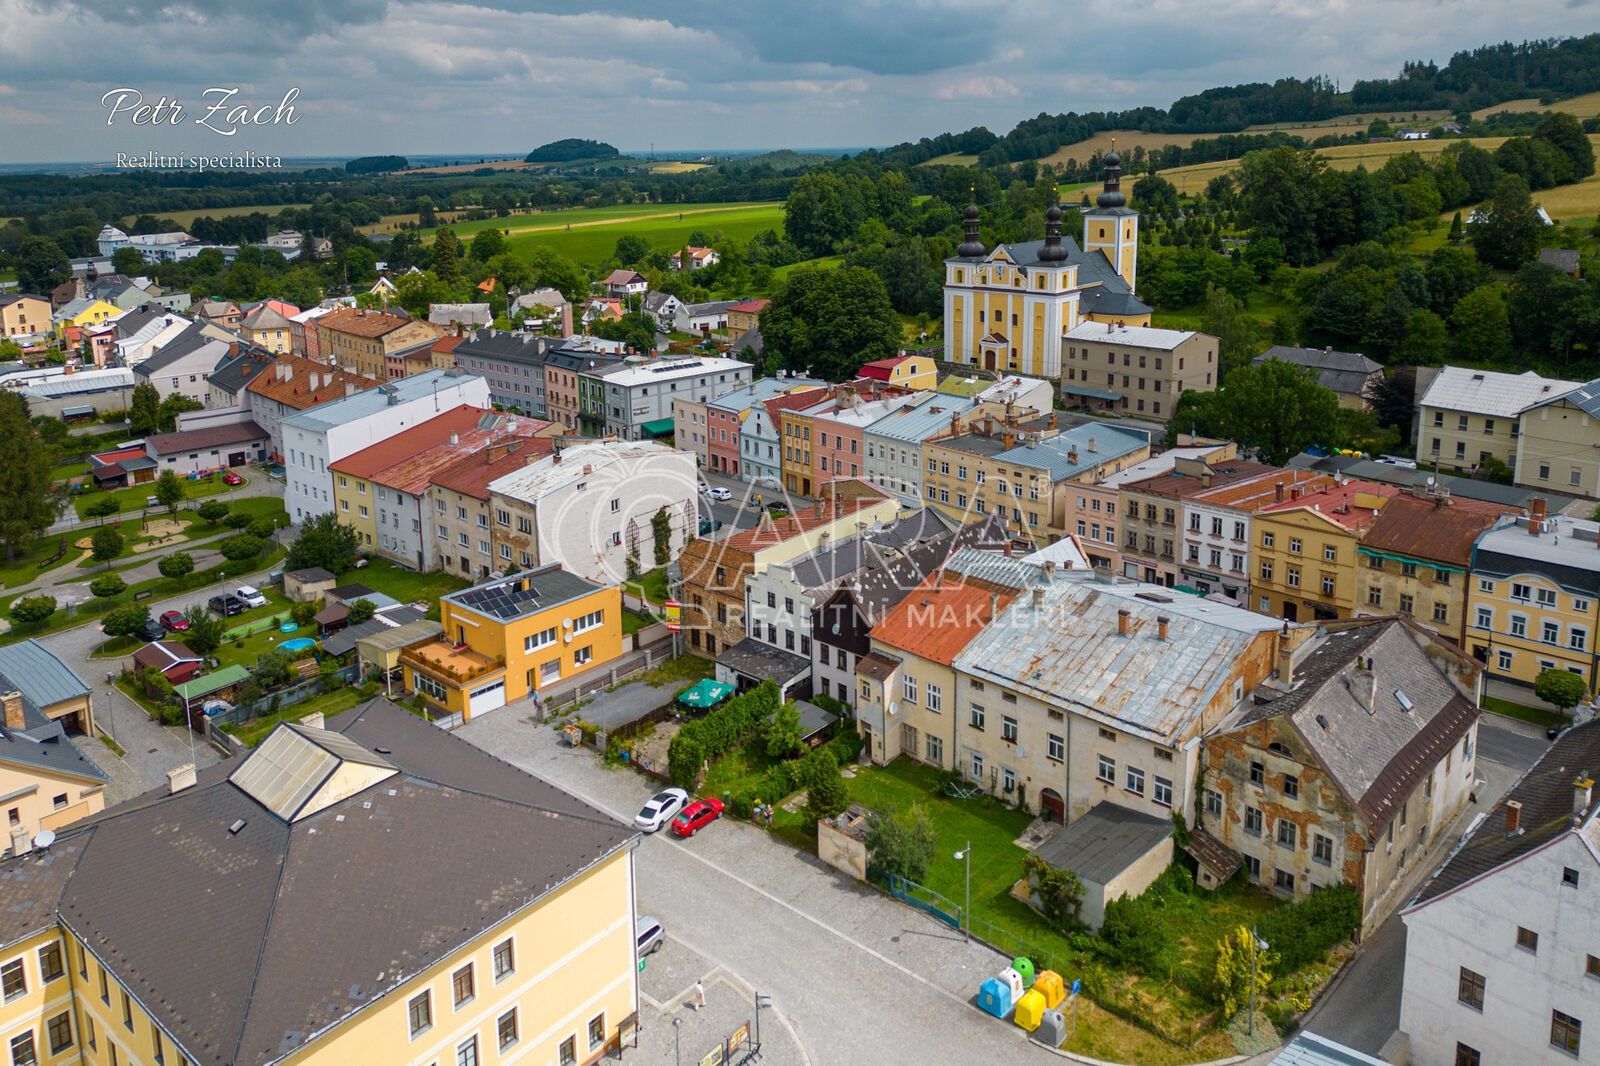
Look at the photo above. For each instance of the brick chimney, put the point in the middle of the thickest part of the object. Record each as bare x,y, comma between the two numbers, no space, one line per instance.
1513,818
1277,492
1124,621
13,706
1161,627
1536,515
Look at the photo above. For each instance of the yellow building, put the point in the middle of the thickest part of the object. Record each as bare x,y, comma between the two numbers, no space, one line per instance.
1533,602
1024,473
912,372
342,949
1007,309
1559,443
794,430
1466,416
1303,562
84,312
267,328
362,340
23,316
511,638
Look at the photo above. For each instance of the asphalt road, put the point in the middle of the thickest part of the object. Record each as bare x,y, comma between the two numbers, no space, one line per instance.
854,976
741,512
1362,1010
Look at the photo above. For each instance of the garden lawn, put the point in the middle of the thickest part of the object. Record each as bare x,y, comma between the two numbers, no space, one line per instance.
24,570
651,586
1195,922
1537,715
255,731
633,621
244,651
133,497
682,672
69,471
407,586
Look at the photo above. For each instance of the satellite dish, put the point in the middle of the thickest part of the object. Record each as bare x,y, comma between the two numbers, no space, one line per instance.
1430,481
44,839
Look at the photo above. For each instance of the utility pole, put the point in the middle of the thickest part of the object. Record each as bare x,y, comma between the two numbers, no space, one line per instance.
677,1056
966,910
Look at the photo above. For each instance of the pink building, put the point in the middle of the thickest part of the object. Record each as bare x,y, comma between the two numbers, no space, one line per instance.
722,439
838,448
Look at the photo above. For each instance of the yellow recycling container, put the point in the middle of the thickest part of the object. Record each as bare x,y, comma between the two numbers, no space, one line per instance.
1030,1008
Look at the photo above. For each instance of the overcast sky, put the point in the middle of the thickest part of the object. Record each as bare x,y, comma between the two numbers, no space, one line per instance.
425,76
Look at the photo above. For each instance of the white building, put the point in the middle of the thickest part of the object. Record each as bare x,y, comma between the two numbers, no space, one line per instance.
590,506
1503,944
313,438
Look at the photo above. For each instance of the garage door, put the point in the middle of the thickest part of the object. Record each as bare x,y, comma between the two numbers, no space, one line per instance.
487,698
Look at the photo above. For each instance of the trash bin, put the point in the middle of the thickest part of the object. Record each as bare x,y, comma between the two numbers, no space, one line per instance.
1013,980
1050,985
1024,968
1052,1028
994,997
1030,1009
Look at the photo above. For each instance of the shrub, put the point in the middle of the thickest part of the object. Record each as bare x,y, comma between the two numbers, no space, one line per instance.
176,565
1560,687
782,732
240,547
212,511
102,508
261,527
361,611
1303,932
826,795
832,706
901,843
303,613
846,747
1059,893
719,732
1137,941
33,610
1237,960
237,521
368,689
107,585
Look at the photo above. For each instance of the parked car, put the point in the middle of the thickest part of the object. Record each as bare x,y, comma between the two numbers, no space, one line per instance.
227,605
152,501
660,809
696,816
705,490
230,478
709,526
251,596
720,493
151,630
647,930
174,621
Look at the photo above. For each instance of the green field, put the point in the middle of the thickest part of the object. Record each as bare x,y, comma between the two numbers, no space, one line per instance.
184,218
592,239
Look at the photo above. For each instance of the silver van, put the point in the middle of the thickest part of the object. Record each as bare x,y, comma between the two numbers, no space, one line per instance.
649,934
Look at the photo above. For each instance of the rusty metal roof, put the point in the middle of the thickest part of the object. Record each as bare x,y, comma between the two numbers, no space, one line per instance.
1061,644
1428,530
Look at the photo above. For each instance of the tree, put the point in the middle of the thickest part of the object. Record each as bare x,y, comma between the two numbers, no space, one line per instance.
302,287
487,244
107,585
826,794
1508,234
262,527
128,261
323,542
103,508
631,249
273,668
106,544
29,498
661,532
1424,341
782,732
169,490
1275,409
1238,335
144,413
41,265
902,842
1560,687
176,565
553,270
1456,232
1058,892
33,610
241,547
1394,399
361,610
125,621
1562,131
1481,325
173,406
212,512
206,631
446,264
427,213
237,520
1237,960
830,322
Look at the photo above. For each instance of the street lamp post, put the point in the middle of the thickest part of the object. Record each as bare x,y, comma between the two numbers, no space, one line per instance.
965,854
761,1001
1257,945
677,1024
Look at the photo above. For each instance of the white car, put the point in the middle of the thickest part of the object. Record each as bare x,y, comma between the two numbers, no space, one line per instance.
661,809
705,490
720,493
250,595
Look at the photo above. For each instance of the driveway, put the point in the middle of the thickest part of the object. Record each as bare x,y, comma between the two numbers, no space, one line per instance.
1362,1009
853,976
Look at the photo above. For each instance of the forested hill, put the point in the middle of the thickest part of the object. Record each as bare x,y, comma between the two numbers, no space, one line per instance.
1547,69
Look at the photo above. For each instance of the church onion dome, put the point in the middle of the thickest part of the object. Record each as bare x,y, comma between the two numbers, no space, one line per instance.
972,247
1053,251
1112,196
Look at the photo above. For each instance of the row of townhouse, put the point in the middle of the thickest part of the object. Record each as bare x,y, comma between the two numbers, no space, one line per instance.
1545,431
1307,754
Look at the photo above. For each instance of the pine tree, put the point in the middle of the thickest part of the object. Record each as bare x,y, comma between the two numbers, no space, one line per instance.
1456,232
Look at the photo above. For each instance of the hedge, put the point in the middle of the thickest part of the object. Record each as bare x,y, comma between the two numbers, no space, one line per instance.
1305,930
718,733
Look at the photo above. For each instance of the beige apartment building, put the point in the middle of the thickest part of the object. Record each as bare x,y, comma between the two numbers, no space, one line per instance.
1136,370
1559,448
362,340
1467,416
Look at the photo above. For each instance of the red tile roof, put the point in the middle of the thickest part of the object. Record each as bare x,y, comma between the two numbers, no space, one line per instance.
882,369
1336,503
358,322
471,476
371,461
939,618
753,307
414,473
298,382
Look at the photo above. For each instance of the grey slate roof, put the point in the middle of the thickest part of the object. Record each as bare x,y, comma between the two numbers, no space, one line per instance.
1546,794
1375,758
237,371
325,914
813,719
819,569
928,417
754,659
503,347
346,639
1563,259
48,747
1343,372
1470,488
1101,843
750,342
877,590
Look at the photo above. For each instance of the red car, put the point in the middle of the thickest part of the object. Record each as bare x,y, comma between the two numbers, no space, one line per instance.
696,816
174,621
230,478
